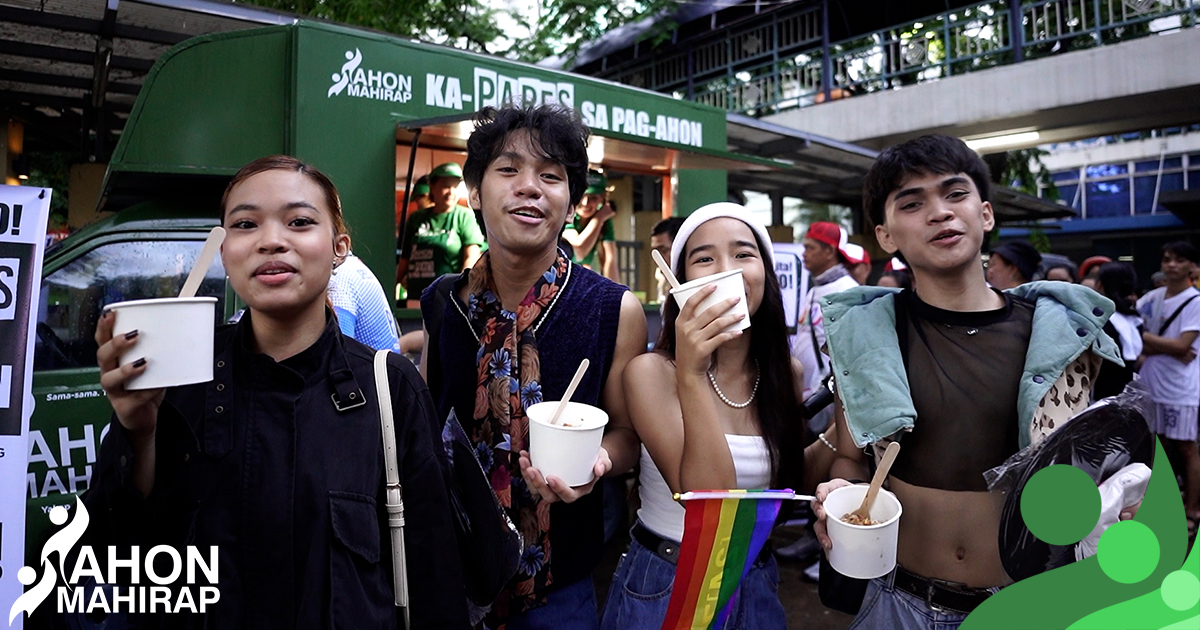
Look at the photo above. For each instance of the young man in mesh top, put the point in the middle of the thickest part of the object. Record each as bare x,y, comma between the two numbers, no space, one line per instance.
955,371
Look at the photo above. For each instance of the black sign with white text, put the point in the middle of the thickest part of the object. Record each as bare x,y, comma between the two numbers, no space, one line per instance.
18,287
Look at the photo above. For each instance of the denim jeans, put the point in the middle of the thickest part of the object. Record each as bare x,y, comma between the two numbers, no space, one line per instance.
888,608
641,590
572,607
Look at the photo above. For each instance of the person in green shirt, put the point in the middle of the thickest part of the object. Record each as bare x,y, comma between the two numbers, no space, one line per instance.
441,239
591,232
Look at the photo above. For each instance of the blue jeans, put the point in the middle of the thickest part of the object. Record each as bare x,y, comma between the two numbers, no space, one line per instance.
572,607
888,608
641,590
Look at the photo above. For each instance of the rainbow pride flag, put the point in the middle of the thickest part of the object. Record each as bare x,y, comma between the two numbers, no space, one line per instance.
723,533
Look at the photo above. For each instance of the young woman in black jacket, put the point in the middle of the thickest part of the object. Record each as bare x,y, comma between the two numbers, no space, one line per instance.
278,461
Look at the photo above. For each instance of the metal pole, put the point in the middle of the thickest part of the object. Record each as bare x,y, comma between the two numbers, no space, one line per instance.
732,89
945,45
691,79
826,62
776,79
1157,183
1082,192
1016,30
412,161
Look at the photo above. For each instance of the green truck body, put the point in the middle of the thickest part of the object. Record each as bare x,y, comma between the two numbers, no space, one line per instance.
335,97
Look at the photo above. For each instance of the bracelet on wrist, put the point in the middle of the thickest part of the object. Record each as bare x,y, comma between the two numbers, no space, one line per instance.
826,442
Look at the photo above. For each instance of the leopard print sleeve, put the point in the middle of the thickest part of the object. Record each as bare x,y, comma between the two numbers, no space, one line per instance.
1069,395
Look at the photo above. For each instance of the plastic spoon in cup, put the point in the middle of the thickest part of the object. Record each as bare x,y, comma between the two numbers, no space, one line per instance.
864,511
666,269
562,404
211,245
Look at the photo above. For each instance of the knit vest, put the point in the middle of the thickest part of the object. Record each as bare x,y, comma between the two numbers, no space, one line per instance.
582,323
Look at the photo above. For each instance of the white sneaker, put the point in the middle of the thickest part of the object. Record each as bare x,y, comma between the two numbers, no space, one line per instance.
813,573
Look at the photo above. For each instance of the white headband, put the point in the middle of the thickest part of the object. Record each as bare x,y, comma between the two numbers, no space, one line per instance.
720,210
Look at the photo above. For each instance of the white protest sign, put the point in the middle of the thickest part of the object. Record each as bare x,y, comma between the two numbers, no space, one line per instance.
793,279
24,212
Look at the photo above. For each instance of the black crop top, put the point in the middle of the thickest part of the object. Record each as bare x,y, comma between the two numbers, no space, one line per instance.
964,370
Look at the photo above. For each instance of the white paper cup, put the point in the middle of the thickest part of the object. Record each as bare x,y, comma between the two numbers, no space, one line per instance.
729,284
175,335
859,551
568,453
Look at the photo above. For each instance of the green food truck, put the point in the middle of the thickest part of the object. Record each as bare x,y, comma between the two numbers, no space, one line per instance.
371,111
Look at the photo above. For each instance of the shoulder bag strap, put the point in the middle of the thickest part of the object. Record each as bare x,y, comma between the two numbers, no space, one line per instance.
812,332
1163,328
395,501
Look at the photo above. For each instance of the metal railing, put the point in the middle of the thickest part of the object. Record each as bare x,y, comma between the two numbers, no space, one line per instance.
765,39
1087,23
738,72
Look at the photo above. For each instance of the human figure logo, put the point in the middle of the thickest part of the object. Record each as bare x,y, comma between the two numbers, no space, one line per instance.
377,85
342,79
115,596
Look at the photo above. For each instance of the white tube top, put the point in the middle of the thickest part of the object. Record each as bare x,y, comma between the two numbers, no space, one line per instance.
664,516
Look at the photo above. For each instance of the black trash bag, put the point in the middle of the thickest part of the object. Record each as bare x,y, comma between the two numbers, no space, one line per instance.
489,542
1100,441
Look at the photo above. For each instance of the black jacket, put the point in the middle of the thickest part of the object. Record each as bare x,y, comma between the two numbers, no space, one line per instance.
261,463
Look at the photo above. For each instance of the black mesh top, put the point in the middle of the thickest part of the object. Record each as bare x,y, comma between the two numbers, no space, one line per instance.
964,370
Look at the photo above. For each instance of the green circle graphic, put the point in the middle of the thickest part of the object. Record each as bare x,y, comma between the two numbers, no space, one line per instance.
1060,504
1128,552
1181,590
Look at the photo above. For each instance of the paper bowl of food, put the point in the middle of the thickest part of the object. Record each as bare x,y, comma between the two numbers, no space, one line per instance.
729,284
566,450
862,550
175,335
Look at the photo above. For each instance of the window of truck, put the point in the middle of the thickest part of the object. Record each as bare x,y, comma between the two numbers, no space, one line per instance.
73,296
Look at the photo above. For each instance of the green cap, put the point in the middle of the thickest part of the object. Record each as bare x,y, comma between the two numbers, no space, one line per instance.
597,183
449,169
421,187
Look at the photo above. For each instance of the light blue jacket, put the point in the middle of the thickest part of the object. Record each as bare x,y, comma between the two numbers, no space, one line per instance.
869,369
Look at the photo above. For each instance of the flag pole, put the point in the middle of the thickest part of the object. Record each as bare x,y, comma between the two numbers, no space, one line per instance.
785,495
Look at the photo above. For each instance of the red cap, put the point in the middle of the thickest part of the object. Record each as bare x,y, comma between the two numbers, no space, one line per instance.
1094,261
829,233
895,264
856,254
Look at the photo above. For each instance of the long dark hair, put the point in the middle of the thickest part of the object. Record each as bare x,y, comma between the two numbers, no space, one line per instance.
778,407
1119,282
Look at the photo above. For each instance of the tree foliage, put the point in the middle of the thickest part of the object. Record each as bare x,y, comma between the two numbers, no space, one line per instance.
467,24
1025,171
561,28
564,27
52,169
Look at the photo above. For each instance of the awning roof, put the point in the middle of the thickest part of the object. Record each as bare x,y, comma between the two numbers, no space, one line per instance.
831,171
605,149
1184,204
1014,206
63,60
822,170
